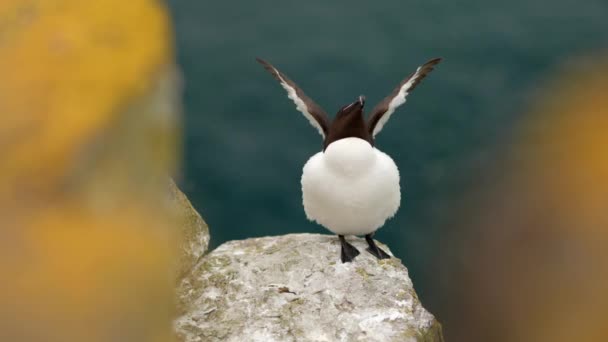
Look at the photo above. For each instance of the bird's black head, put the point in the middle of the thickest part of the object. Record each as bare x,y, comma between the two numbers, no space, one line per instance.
351,111
349,122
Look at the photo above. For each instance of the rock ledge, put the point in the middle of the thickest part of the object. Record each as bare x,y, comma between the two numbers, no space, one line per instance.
294,288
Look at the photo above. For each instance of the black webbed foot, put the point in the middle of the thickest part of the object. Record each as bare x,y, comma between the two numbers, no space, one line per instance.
349,252
374,249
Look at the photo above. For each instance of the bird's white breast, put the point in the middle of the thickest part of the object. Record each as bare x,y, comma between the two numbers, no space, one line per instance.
352,188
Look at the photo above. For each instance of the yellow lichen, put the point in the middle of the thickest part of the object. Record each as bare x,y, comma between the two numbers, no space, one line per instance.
362,272
87,138
67,68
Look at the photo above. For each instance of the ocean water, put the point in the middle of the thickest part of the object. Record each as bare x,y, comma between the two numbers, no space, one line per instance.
245,144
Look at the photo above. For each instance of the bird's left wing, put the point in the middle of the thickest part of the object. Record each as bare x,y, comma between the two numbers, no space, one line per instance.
312,111
383,110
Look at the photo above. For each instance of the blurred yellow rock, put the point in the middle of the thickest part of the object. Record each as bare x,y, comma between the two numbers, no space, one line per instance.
537,257
74,275
69,70
564,148
89,128
561,268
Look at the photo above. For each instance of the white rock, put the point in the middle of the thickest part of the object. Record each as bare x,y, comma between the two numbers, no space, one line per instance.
294,288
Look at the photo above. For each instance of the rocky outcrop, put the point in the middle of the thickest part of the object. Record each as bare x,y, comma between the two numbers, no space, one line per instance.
194,232
294,288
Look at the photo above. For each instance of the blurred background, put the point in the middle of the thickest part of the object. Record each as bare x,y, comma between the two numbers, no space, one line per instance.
453,141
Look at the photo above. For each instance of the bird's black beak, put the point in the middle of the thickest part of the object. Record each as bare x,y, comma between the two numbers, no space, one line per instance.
359,103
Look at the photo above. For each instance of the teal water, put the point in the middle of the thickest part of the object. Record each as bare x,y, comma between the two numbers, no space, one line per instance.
246,144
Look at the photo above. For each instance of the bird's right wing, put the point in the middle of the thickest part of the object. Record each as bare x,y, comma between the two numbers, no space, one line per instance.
312,111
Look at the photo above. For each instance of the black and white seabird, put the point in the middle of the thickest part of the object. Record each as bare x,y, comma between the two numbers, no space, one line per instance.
351,187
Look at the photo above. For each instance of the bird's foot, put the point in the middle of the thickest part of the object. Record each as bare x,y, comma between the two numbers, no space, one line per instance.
374,249
349,252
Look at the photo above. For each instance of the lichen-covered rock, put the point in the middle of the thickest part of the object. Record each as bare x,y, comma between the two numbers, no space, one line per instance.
193,230
89,132
70,70
294,288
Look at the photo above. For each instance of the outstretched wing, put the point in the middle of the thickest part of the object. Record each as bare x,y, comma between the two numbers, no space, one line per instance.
312,111
383,110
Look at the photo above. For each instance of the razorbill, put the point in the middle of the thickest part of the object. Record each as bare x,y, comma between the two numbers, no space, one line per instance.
351,187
